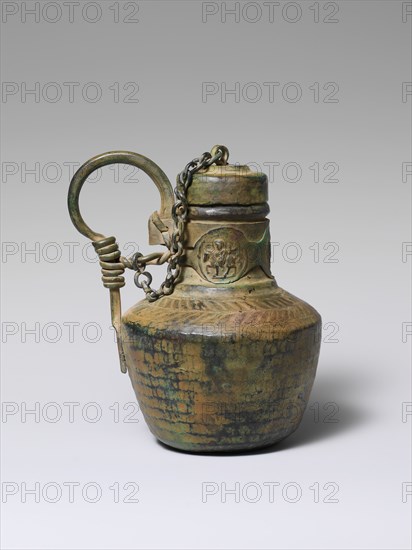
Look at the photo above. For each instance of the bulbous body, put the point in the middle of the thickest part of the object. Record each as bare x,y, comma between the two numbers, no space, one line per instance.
223,369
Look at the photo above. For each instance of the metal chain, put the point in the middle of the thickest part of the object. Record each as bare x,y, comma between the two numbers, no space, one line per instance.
143,279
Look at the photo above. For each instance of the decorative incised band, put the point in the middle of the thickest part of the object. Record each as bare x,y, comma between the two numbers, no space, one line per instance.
224,255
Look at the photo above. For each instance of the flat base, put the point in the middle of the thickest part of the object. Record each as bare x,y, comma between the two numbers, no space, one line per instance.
224,448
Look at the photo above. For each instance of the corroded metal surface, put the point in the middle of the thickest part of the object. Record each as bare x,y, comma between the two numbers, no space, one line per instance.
222,371
221,358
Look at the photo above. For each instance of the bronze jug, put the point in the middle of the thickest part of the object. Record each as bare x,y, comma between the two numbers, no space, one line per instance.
220,357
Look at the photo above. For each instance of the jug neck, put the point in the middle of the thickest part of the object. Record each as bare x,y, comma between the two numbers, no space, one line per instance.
225,244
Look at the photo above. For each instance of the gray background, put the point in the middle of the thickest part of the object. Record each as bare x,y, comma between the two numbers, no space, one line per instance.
355,435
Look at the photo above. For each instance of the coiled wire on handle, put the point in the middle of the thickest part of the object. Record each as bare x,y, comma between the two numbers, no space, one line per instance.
112,270
111,262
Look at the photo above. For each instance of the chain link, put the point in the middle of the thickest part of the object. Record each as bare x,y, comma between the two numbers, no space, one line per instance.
143,279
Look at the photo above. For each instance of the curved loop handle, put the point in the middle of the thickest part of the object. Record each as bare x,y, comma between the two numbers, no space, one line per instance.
113,157
107,248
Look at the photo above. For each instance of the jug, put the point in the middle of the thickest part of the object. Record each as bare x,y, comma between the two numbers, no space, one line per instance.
220,357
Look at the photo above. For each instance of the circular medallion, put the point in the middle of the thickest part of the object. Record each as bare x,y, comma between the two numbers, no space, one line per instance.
222,255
